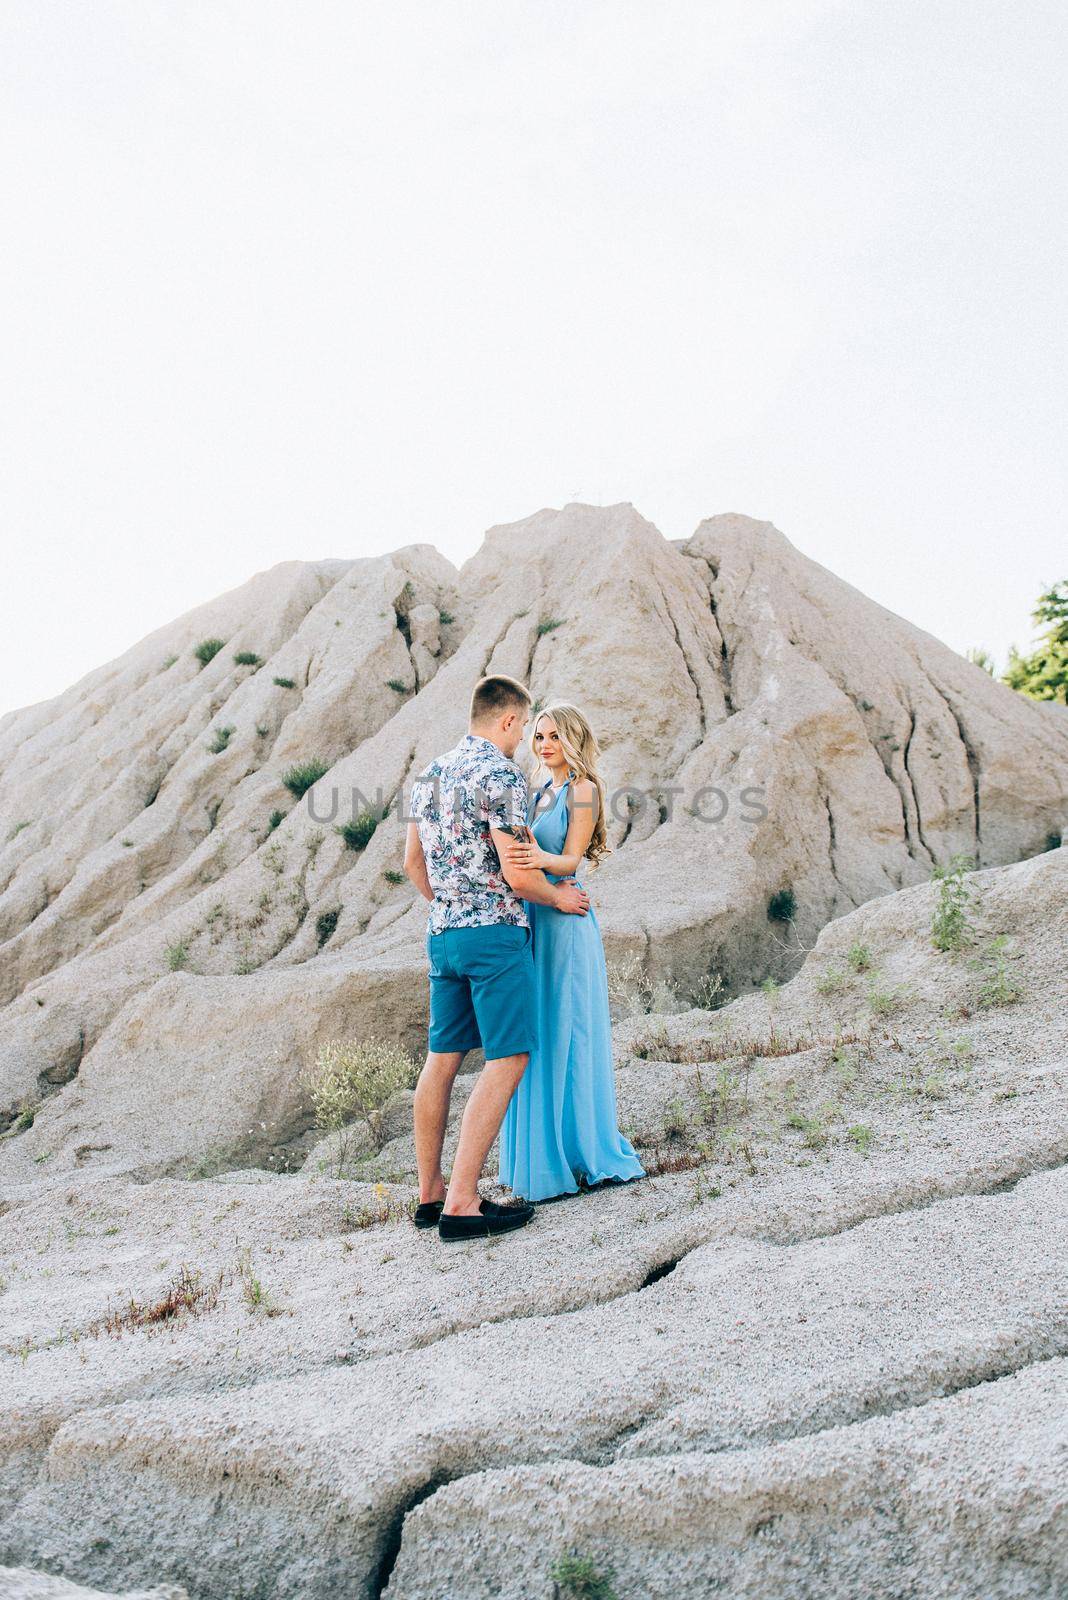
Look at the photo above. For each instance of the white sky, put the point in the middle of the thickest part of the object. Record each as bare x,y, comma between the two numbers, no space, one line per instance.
310,278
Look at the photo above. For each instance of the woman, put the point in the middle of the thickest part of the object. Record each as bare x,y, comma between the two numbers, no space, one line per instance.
560,1126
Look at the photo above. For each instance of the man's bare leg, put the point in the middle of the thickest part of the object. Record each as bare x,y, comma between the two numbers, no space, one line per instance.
431,1115
483,1115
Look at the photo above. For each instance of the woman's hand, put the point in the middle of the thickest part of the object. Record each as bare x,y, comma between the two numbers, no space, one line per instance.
522,855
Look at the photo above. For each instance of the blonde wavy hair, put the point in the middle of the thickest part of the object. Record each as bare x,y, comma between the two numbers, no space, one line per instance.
582,753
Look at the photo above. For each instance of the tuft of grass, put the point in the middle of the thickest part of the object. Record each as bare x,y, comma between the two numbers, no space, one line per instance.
859,957
262,730
274,820
675,1120
248,658
397,685
577,1578
207,650
1053,841
168,663
326,926
285,683
832,979
220,739
950,927
22,1120
177,955
256,1297
185,1295
299,778
861,1136
358,833
16,830
884,1001
770,986
998,987
352,1080
446,618
550,625
782,906
393,876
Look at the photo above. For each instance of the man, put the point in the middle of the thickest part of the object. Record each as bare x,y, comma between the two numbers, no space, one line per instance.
478,944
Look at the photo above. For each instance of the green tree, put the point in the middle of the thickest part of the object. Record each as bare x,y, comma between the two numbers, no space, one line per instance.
1043,675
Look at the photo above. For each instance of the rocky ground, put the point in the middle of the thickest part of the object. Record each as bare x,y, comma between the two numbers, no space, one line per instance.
822,1349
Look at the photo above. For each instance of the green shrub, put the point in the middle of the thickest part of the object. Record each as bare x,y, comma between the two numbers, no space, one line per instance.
579,1579
16,830
326,926
353,1081
950,928
248,658
274,819
549,625
207,650
397,685
782,906
1053,841
998,987
299,778
285,683
859,957
393,876
862,1136
177,955
831,980
168,663
220,739
358,833
446,618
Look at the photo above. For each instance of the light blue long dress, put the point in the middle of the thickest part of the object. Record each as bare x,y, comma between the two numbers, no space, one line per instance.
561,1121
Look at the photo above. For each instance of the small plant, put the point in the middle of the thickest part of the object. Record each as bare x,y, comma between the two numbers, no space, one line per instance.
185,1295
358,833
950,928
1053,841
577,1578
861,1136
393,876
859,957
782,906
285,683
675,1122
770,986
274,820
549,625
446,618
256,1297
832,979
884,1001
354,1080
177,955
326,926
299,778
168,663
220,739
262,730
207,650
708,995
22,1120
811,1127
248,658
397,685
998,987
16,830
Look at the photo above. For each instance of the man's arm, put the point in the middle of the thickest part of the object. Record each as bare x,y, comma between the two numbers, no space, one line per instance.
530,884
415,861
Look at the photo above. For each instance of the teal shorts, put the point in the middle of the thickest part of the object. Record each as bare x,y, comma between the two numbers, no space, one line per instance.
482,990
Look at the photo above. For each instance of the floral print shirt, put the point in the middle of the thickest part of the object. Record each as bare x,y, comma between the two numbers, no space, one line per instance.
454,803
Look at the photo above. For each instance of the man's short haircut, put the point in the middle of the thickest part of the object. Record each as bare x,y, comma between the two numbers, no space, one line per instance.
495,696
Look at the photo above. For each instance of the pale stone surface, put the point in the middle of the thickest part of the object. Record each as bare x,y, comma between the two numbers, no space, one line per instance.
821,1349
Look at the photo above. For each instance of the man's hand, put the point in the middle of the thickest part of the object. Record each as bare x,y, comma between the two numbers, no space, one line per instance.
572,899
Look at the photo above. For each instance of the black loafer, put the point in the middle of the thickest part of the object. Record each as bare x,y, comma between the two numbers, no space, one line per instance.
494,1219
427,1213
